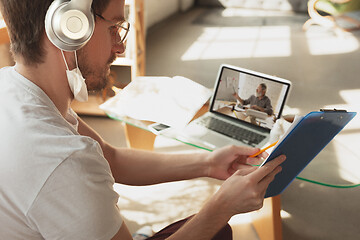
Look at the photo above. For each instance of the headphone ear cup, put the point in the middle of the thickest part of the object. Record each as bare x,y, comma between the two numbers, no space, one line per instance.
68,27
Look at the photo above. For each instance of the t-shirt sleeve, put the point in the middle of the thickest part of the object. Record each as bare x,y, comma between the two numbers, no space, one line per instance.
78,201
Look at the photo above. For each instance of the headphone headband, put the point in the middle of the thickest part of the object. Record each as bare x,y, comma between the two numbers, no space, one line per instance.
69,24
85,5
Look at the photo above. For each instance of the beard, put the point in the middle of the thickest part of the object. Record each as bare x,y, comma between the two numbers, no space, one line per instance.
96,77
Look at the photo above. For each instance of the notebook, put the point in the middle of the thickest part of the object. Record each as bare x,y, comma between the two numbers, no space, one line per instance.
230,121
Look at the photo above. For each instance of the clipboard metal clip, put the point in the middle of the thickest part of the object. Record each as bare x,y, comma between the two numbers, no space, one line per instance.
333,110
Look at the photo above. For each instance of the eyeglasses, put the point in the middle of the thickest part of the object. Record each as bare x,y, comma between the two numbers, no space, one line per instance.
120,29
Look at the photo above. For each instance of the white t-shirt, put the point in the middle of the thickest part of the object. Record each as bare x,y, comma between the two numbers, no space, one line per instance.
54,183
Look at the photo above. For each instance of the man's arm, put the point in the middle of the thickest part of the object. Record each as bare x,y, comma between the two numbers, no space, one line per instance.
238,98
250,100
137,167
256,107
268,107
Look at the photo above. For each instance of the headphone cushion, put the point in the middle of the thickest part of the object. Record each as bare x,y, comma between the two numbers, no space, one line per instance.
68,28
74,24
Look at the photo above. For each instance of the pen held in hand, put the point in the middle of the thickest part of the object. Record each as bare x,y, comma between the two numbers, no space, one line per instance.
264,149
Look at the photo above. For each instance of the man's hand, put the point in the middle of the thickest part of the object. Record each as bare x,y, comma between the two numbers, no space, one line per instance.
244,191
255,107
225,161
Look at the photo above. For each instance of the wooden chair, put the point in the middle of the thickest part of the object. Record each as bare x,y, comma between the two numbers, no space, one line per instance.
329,13
5,55
4,37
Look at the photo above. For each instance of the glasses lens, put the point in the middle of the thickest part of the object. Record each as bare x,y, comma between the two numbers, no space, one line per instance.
123,32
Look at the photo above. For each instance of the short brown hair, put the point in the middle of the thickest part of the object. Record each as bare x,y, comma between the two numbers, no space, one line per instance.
25,20
263,86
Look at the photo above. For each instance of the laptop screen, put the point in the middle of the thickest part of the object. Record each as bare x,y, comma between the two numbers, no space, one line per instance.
255,98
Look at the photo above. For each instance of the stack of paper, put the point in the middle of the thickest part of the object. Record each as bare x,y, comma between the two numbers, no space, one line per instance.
172,101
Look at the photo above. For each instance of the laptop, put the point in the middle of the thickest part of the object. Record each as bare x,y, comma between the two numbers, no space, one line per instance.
230,121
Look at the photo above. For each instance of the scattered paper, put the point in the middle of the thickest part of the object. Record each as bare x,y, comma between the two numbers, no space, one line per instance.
171,101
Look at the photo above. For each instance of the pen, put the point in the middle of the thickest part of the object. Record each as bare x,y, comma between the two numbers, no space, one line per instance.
264,149
235,114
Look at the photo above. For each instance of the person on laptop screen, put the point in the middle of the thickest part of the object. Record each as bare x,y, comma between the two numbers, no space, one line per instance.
234,97
260,102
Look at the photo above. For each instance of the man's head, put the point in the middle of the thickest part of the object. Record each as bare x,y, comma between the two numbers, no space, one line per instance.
25,20
30,45
261,90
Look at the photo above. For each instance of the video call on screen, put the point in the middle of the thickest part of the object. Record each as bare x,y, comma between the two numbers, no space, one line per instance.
245,86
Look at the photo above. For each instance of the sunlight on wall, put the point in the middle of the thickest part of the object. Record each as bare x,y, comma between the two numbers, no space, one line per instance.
322,43
347,142
240,42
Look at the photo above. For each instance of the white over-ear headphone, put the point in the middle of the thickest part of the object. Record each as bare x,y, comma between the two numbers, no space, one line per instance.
69,24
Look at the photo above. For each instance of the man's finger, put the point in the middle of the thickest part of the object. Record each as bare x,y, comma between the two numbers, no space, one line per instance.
264,183
255,161
268,168
243,171
258,160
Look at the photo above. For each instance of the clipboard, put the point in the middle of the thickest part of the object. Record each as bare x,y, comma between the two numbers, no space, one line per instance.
303,142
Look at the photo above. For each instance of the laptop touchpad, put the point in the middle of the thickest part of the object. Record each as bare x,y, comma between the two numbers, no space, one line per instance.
216,139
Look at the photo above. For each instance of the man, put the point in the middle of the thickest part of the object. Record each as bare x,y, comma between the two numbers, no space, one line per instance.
260,102
57,174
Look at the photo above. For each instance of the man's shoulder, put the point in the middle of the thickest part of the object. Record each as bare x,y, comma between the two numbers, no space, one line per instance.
50,139
252,98
33,146
266,98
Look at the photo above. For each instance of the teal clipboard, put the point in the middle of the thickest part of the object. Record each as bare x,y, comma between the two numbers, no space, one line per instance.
301,145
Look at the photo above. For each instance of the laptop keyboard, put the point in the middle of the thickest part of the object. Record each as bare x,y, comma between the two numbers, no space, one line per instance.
233,131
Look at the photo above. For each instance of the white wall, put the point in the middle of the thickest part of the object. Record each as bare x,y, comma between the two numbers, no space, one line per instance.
158,10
